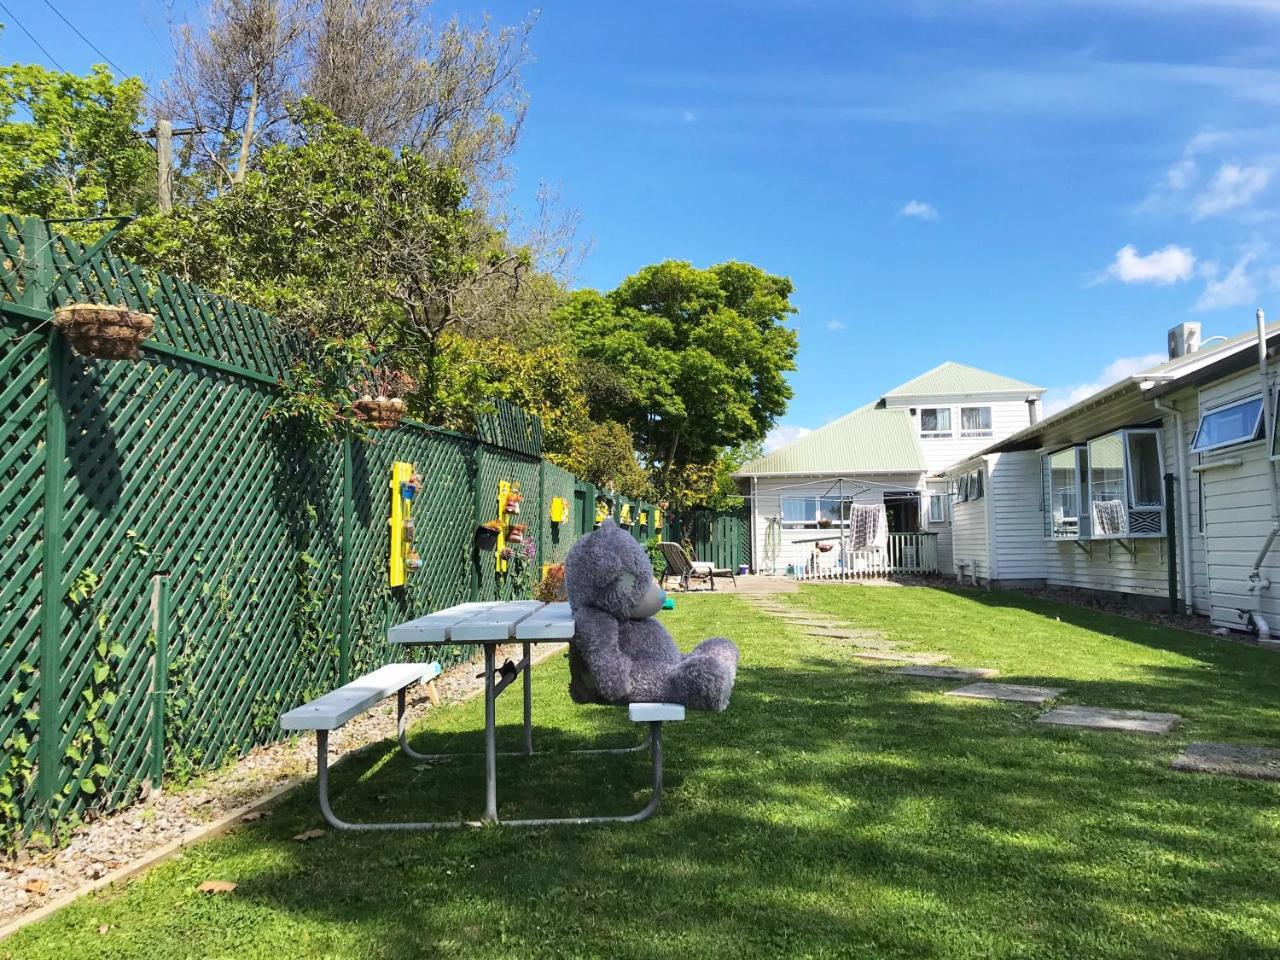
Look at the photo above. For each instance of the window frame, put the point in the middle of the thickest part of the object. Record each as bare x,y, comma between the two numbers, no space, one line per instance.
946,434
1259,426
816,501
943,499
1079,484
1129,499
988,431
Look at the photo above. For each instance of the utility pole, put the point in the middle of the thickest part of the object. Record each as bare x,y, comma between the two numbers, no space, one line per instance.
164,157
164,133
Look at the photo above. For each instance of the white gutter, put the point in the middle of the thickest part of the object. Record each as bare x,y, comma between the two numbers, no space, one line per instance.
1184,506
1258,584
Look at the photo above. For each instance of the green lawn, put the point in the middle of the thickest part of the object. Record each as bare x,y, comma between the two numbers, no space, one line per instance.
836,810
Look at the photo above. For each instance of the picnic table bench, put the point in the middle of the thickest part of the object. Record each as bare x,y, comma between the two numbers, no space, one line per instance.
488,625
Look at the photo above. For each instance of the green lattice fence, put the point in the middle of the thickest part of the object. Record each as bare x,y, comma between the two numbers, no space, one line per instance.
174,573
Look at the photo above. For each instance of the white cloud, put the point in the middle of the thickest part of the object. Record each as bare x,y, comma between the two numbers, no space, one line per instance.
919,209
688,116
1236,289
1059,398
1181,174
834,325
1167,265
1232,187
783,434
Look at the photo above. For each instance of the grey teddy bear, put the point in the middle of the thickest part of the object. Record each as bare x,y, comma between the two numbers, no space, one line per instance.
620,653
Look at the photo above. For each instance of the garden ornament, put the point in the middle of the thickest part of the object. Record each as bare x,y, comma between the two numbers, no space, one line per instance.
620,653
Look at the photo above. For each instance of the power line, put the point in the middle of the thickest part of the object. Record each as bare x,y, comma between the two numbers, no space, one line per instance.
76,30
96,49
8,13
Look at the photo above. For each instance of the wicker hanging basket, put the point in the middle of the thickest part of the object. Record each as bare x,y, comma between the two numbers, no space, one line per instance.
103,331
380,414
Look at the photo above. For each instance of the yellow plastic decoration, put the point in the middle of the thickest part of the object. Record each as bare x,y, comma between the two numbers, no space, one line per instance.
625,519
401,511
559,509
601,513
657,522
500,564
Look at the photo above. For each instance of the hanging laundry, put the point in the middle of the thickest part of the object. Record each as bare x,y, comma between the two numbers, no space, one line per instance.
868,526
1109,518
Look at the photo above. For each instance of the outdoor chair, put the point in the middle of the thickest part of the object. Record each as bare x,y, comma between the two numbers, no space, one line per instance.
680,564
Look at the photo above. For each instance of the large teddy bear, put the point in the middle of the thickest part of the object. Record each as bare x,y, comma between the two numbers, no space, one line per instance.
620,653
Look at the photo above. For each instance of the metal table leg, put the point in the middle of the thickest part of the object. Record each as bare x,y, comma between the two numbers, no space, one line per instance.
490,739
528,700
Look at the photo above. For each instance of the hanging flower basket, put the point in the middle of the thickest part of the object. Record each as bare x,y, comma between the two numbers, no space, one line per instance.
825,547
515,532
824,522
381,413
103,331
487,535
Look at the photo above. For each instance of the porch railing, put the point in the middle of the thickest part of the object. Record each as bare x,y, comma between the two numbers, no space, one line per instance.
904,553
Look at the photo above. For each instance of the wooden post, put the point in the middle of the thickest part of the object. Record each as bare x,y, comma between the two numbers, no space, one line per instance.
1170,515
164,161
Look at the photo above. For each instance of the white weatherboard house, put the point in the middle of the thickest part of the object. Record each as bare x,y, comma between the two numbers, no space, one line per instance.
802,496
1161,487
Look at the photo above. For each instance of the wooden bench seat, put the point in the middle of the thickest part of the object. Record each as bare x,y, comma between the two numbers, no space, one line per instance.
332,710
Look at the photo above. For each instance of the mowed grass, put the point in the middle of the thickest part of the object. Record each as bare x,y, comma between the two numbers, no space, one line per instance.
836,810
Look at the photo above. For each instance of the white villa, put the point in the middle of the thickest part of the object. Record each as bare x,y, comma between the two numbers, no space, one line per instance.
886,453
1161,488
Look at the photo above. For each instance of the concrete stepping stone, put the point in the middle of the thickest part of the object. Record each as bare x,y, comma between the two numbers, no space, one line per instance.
1007,691
866,643
948,673
1230,760
1104,718
901,656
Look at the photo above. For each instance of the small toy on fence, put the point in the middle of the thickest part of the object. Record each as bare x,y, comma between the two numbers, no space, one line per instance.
516,532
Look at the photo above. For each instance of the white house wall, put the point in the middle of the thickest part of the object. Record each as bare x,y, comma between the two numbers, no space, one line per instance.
1008,416
1238,517
1018,517
768,503
943,530
970,539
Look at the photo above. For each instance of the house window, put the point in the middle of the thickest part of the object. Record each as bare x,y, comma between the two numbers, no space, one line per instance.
812,512
969,487
935,422
1126,484
939,508
1063,476
1238,422
975,422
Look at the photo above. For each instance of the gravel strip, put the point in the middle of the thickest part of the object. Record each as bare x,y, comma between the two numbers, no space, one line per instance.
125,837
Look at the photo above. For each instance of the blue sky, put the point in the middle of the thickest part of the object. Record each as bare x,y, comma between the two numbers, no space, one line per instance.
1037,187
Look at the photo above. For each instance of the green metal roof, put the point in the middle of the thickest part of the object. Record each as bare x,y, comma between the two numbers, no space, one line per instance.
869,440
955,379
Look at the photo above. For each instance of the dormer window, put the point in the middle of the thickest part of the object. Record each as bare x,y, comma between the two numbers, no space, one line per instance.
935,422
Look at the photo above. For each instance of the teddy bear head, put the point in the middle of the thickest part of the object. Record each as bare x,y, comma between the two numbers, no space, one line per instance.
607,569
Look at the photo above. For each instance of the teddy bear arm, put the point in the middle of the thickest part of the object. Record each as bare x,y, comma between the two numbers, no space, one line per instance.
596,638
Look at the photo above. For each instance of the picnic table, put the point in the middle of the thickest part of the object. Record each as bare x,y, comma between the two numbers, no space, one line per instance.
489,625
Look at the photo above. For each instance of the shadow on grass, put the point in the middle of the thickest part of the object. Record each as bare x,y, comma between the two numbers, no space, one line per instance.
830,811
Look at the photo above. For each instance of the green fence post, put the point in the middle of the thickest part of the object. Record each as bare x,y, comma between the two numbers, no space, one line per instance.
35,239
160,605
344,628
478,498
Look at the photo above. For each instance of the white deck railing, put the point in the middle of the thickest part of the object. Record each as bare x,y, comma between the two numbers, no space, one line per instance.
904,553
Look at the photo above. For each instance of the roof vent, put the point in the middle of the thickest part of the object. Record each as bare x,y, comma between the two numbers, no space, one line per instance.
1184,339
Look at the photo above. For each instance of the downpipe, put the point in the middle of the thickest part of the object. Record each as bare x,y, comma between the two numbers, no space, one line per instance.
1184,506
1259,584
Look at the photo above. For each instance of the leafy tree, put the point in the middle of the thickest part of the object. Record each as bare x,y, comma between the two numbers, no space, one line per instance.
69,146
700,358
604,454
543,380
